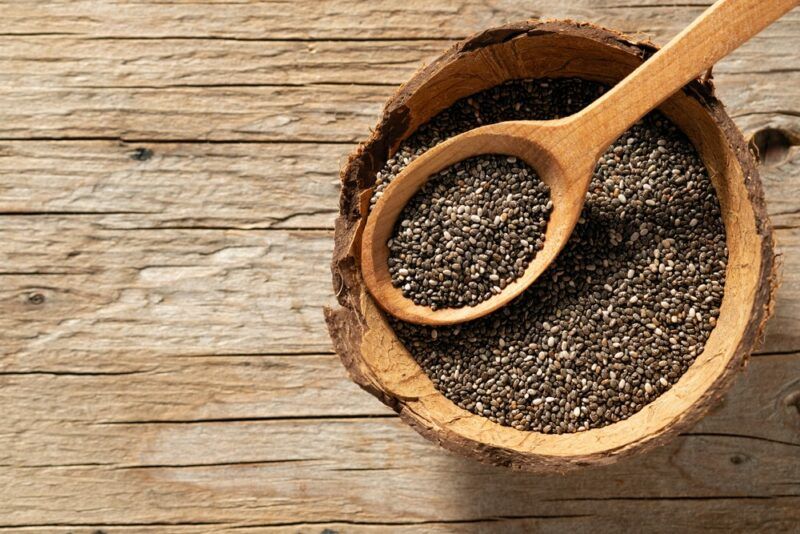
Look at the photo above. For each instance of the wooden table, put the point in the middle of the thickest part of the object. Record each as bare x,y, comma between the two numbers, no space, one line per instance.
168,183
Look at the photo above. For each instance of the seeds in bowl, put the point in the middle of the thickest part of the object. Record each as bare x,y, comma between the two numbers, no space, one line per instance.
626,307
470,231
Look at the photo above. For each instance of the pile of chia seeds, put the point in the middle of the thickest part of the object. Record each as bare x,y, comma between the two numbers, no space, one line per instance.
627,306
469,232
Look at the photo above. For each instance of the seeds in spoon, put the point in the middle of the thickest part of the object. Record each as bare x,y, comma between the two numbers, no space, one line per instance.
470,231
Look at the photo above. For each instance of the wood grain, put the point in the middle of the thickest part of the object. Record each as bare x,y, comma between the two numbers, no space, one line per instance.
160,185
204,338
104,284
75,61
332,19
321,113
235,459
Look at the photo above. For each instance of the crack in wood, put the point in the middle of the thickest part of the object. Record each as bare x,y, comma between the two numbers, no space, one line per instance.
35,372
349,39
8,526
34,273
250,463
490,519
254,354
660,5
244,228
786,112
739,436
58,466
178,140
331,83
790,496
767,354
77,213
266,419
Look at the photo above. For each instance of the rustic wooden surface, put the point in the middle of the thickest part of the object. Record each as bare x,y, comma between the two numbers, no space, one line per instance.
168,182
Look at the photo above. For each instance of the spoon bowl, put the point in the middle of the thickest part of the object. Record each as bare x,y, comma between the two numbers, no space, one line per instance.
534,142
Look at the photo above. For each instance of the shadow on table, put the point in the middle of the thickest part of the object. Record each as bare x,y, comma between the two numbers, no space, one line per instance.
739,468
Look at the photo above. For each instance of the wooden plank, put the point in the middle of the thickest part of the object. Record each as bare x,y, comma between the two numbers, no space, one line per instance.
230,445
129,386
320,113
653,515
111,63
194,290
81,62
333,19
248,186
115,65
661,515
209,185
362,470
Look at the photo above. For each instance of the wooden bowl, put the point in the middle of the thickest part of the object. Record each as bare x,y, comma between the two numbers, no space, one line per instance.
379,363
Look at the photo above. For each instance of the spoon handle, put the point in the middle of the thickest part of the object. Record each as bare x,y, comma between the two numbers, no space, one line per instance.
722,28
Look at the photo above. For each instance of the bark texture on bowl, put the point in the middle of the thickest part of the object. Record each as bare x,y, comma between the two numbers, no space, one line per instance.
378,362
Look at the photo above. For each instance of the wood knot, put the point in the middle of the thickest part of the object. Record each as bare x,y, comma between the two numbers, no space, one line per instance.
738,459
792,402
142,154
772,145
36,298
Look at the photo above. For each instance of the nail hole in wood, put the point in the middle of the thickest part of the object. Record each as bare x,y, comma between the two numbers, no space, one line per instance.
792,402
738,459
142,154
772,145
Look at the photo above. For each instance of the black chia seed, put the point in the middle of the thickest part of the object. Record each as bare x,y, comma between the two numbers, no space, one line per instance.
471,230
628,304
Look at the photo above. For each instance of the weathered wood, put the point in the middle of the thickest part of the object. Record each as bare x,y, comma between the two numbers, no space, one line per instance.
132,63
656,515
200,291
324,113
341,472
734,459
168,185
109,284
82,62
332,19
318,113
200,330
248,186
121,388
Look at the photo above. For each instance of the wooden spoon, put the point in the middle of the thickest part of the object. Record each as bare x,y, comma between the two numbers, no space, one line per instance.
564,152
